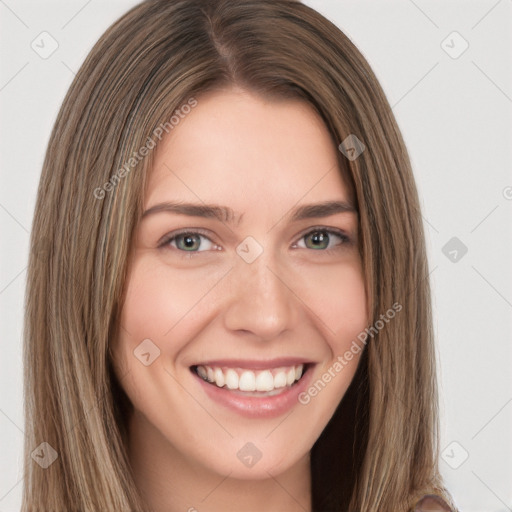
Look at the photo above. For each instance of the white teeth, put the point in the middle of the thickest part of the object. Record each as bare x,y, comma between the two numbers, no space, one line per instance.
231,379
248,380
264,381
280,380
219,377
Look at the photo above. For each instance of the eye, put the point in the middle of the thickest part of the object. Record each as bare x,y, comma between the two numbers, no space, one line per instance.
322,239
189,241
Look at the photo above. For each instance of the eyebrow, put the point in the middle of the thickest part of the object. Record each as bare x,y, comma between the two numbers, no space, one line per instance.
226,214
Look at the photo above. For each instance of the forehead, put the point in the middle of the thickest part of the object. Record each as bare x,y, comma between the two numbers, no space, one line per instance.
244,150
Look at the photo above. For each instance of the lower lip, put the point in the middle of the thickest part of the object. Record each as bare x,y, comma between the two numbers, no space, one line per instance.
255,406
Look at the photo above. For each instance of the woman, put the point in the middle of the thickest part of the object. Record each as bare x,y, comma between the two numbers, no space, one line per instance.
286,362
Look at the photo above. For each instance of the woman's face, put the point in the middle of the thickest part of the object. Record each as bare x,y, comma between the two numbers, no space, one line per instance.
244,271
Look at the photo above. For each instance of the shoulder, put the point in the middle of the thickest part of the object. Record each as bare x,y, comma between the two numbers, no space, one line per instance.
432,503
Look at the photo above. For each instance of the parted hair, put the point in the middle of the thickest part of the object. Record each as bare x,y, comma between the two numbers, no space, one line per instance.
379,452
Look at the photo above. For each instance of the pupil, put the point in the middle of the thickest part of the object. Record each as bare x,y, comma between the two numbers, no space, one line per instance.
319,239
189,241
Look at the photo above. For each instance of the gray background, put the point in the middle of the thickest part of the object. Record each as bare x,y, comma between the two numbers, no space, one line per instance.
454,112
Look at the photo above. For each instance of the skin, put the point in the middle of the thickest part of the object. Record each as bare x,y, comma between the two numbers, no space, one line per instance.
262,159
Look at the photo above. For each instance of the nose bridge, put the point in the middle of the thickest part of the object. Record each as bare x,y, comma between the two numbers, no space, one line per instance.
261,302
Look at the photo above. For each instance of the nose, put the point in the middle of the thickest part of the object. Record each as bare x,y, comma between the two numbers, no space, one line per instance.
261,301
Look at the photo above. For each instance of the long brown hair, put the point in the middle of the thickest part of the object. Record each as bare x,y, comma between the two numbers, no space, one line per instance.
379,452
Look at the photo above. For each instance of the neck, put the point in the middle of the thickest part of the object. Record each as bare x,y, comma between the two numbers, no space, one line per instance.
171,482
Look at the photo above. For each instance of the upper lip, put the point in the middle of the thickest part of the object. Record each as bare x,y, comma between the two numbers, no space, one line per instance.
255,364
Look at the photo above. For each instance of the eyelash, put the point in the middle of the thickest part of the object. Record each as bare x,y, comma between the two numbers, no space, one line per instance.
345,239
330,231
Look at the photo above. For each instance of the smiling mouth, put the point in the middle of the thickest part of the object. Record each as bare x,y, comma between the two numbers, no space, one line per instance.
265,382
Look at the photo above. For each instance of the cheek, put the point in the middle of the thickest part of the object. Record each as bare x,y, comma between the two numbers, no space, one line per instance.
157,302
338,301
172,308
337,298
